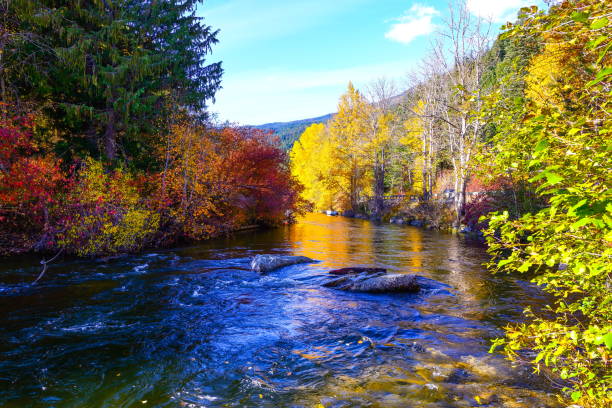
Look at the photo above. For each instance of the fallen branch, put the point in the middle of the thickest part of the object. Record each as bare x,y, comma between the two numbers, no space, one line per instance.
45,263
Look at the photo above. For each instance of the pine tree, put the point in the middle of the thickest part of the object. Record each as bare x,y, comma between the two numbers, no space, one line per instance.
106,72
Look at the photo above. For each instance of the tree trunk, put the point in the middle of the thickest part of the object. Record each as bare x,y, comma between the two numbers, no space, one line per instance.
379,188
456,193
110,137
3,107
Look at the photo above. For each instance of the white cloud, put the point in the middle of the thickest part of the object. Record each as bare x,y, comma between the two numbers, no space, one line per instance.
417,22
497,10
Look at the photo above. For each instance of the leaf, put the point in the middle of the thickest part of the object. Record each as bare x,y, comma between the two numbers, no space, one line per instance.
542,145
554,178
503,262
601,75
603,53
580,16
608,340
599,23
581,223
576,395
580,204
594,43
604,72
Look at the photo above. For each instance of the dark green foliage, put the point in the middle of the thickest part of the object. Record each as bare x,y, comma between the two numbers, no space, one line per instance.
510,57
289,132
107,73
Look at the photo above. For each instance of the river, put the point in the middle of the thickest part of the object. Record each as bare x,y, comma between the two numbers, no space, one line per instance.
194,327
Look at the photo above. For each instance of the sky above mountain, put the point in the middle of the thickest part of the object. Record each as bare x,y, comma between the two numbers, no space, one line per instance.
287,60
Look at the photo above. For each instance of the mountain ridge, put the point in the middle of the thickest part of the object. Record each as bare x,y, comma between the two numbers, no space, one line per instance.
289,132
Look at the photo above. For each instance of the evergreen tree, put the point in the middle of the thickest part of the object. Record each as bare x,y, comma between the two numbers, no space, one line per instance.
107,72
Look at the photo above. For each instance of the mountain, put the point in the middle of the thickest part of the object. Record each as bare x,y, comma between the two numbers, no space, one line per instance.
289,132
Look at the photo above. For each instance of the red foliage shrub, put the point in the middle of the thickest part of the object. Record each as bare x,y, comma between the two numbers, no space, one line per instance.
216,180
262,187
479,206
31,187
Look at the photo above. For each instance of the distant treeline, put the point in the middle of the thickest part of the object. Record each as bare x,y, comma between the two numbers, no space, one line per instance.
288,132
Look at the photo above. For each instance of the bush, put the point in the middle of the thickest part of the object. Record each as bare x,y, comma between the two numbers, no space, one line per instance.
32,189
107,214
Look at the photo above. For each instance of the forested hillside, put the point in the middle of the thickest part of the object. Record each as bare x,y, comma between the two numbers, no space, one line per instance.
289,132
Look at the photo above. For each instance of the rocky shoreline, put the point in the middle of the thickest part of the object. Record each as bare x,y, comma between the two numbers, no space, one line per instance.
412,221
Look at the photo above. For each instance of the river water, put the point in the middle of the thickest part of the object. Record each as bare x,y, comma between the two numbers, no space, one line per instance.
194,327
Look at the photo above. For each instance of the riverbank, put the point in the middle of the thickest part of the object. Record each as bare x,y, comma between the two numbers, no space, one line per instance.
426,215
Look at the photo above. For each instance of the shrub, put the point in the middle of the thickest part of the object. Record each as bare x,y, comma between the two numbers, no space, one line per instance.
107,214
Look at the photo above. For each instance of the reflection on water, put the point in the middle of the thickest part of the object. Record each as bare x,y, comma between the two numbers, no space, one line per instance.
194,327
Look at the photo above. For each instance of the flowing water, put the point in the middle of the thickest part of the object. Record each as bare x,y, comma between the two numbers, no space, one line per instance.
194,327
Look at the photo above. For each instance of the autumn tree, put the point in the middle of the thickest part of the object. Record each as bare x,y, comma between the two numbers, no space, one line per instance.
217,179
423,112
349,130
458,59
313,164
558,140
32,187
383,126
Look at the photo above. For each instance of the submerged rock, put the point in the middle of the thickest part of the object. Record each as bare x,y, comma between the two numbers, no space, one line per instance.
267,263
375,282
356,271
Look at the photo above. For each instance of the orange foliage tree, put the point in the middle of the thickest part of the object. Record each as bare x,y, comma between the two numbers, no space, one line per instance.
215,180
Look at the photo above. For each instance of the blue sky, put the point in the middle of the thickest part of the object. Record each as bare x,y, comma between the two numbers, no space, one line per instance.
292,59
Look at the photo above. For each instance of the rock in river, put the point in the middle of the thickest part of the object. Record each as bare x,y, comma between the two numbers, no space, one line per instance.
356,271
372,280
267,263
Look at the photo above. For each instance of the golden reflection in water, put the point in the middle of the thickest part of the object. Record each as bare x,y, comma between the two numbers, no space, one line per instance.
332,240
339,242
469,279
414,242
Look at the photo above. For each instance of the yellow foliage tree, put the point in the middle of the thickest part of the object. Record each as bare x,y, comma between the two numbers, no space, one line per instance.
311,164
547,83
350,131
415,142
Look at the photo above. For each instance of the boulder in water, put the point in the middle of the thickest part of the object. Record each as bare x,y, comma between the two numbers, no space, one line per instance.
356,271
267,263
375,282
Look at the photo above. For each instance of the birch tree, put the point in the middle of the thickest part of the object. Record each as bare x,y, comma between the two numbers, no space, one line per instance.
459,52
382,126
